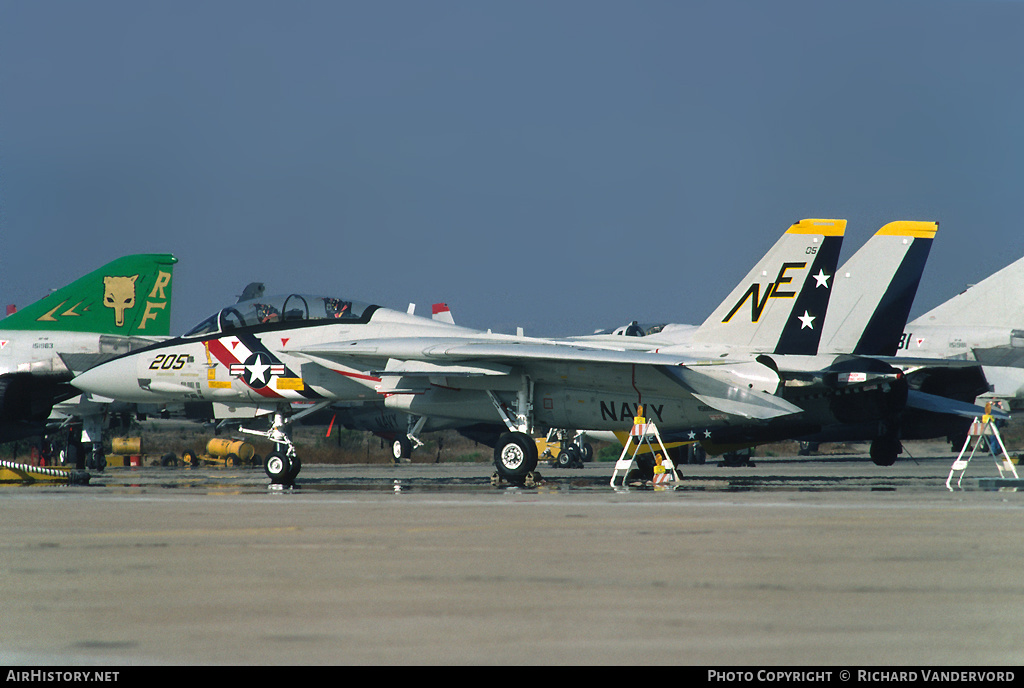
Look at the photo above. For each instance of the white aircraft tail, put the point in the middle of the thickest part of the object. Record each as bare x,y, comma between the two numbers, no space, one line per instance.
875,290
780,305
994,302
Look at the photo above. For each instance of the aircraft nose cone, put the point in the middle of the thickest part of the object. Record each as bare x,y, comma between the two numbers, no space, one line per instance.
114,379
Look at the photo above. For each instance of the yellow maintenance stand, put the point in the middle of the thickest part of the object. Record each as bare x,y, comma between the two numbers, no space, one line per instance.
984,431
642,433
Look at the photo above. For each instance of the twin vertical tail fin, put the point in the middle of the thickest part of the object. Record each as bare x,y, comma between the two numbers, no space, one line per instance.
128,296
875,290
780,305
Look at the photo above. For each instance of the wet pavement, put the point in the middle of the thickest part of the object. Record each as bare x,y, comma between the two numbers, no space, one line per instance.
927,471
792,561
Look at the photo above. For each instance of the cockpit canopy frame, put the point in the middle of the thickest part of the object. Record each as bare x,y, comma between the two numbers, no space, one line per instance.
290,309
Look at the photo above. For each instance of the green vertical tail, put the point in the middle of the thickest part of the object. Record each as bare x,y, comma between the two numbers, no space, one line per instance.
129,296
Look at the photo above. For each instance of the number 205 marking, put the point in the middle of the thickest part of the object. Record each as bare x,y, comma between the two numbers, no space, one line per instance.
169,362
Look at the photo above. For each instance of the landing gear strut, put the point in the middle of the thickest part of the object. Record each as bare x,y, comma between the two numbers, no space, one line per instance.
515,454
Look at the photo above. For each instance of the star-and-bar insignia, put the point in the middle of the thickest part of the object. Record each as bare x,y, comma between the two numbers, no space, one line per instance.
257,371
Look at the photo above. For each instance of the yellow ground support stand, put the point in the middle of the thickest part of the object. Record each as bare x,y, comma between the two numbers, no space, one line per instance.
641,434
982,430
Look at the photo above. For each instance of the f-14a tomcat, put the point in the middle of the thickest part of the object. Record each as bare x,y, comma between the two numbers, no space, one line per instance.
274,351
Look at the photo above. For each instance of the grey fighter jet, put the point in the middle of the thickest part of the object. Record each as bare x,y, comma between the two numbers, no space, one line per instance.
271,352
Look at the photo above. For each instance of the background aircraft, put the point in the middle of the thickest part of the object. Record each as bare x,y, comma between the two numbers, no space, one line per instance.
122,306
984,323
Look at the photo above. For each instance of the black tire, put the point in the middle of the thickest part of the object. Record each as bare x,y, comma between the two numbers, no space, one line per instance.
884,450
808,448
588,453
401,448
293,473
189,457
515,456
232,459
169,459
569,457
278,468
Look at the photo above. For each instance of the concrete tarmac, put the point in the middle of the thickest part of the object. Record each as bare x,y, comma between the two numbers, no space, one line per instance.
827,561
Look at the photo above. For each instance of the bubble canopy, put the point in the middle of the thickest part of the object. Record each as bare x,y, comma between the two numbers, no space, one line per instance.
289,308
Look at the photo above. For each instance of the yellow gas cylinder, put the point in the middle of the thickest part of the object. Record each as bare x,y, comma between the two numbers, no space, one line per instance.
221,447
126,445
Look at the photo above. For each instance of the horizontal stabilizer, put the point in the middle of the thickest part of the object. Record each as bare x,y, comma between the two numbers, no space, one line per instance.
1007,357
922,401
911,363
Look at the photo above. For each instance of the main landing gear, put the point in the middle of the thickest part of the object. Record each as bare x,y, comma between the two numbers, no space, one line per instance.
515,453
403,445
573,452
515,457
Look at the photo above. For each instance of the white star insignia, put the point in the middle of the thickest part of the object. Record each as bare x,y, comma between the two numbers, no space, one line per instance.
258,370
707,433
822,279
692,435
806,320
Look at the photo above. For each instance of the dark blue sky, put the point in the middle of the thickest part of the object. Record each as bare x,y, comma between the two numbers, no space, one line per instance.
558,165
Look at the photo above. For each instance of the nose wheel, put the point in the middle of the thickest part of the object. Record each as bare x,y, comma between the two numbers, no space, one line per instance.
281,468
282,465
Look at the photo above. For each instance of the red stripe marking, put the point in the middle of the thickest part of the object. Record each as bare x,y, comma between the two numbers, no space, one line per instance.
358,375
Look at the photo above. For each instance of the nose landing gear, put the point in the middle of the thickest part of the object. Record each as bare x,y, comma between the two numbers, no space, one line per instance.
282,465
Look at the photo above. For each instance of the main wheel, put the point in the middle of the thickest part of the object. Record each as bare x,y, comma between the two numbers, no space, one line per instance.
515,456
569,457
278,468
401,448
884,450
